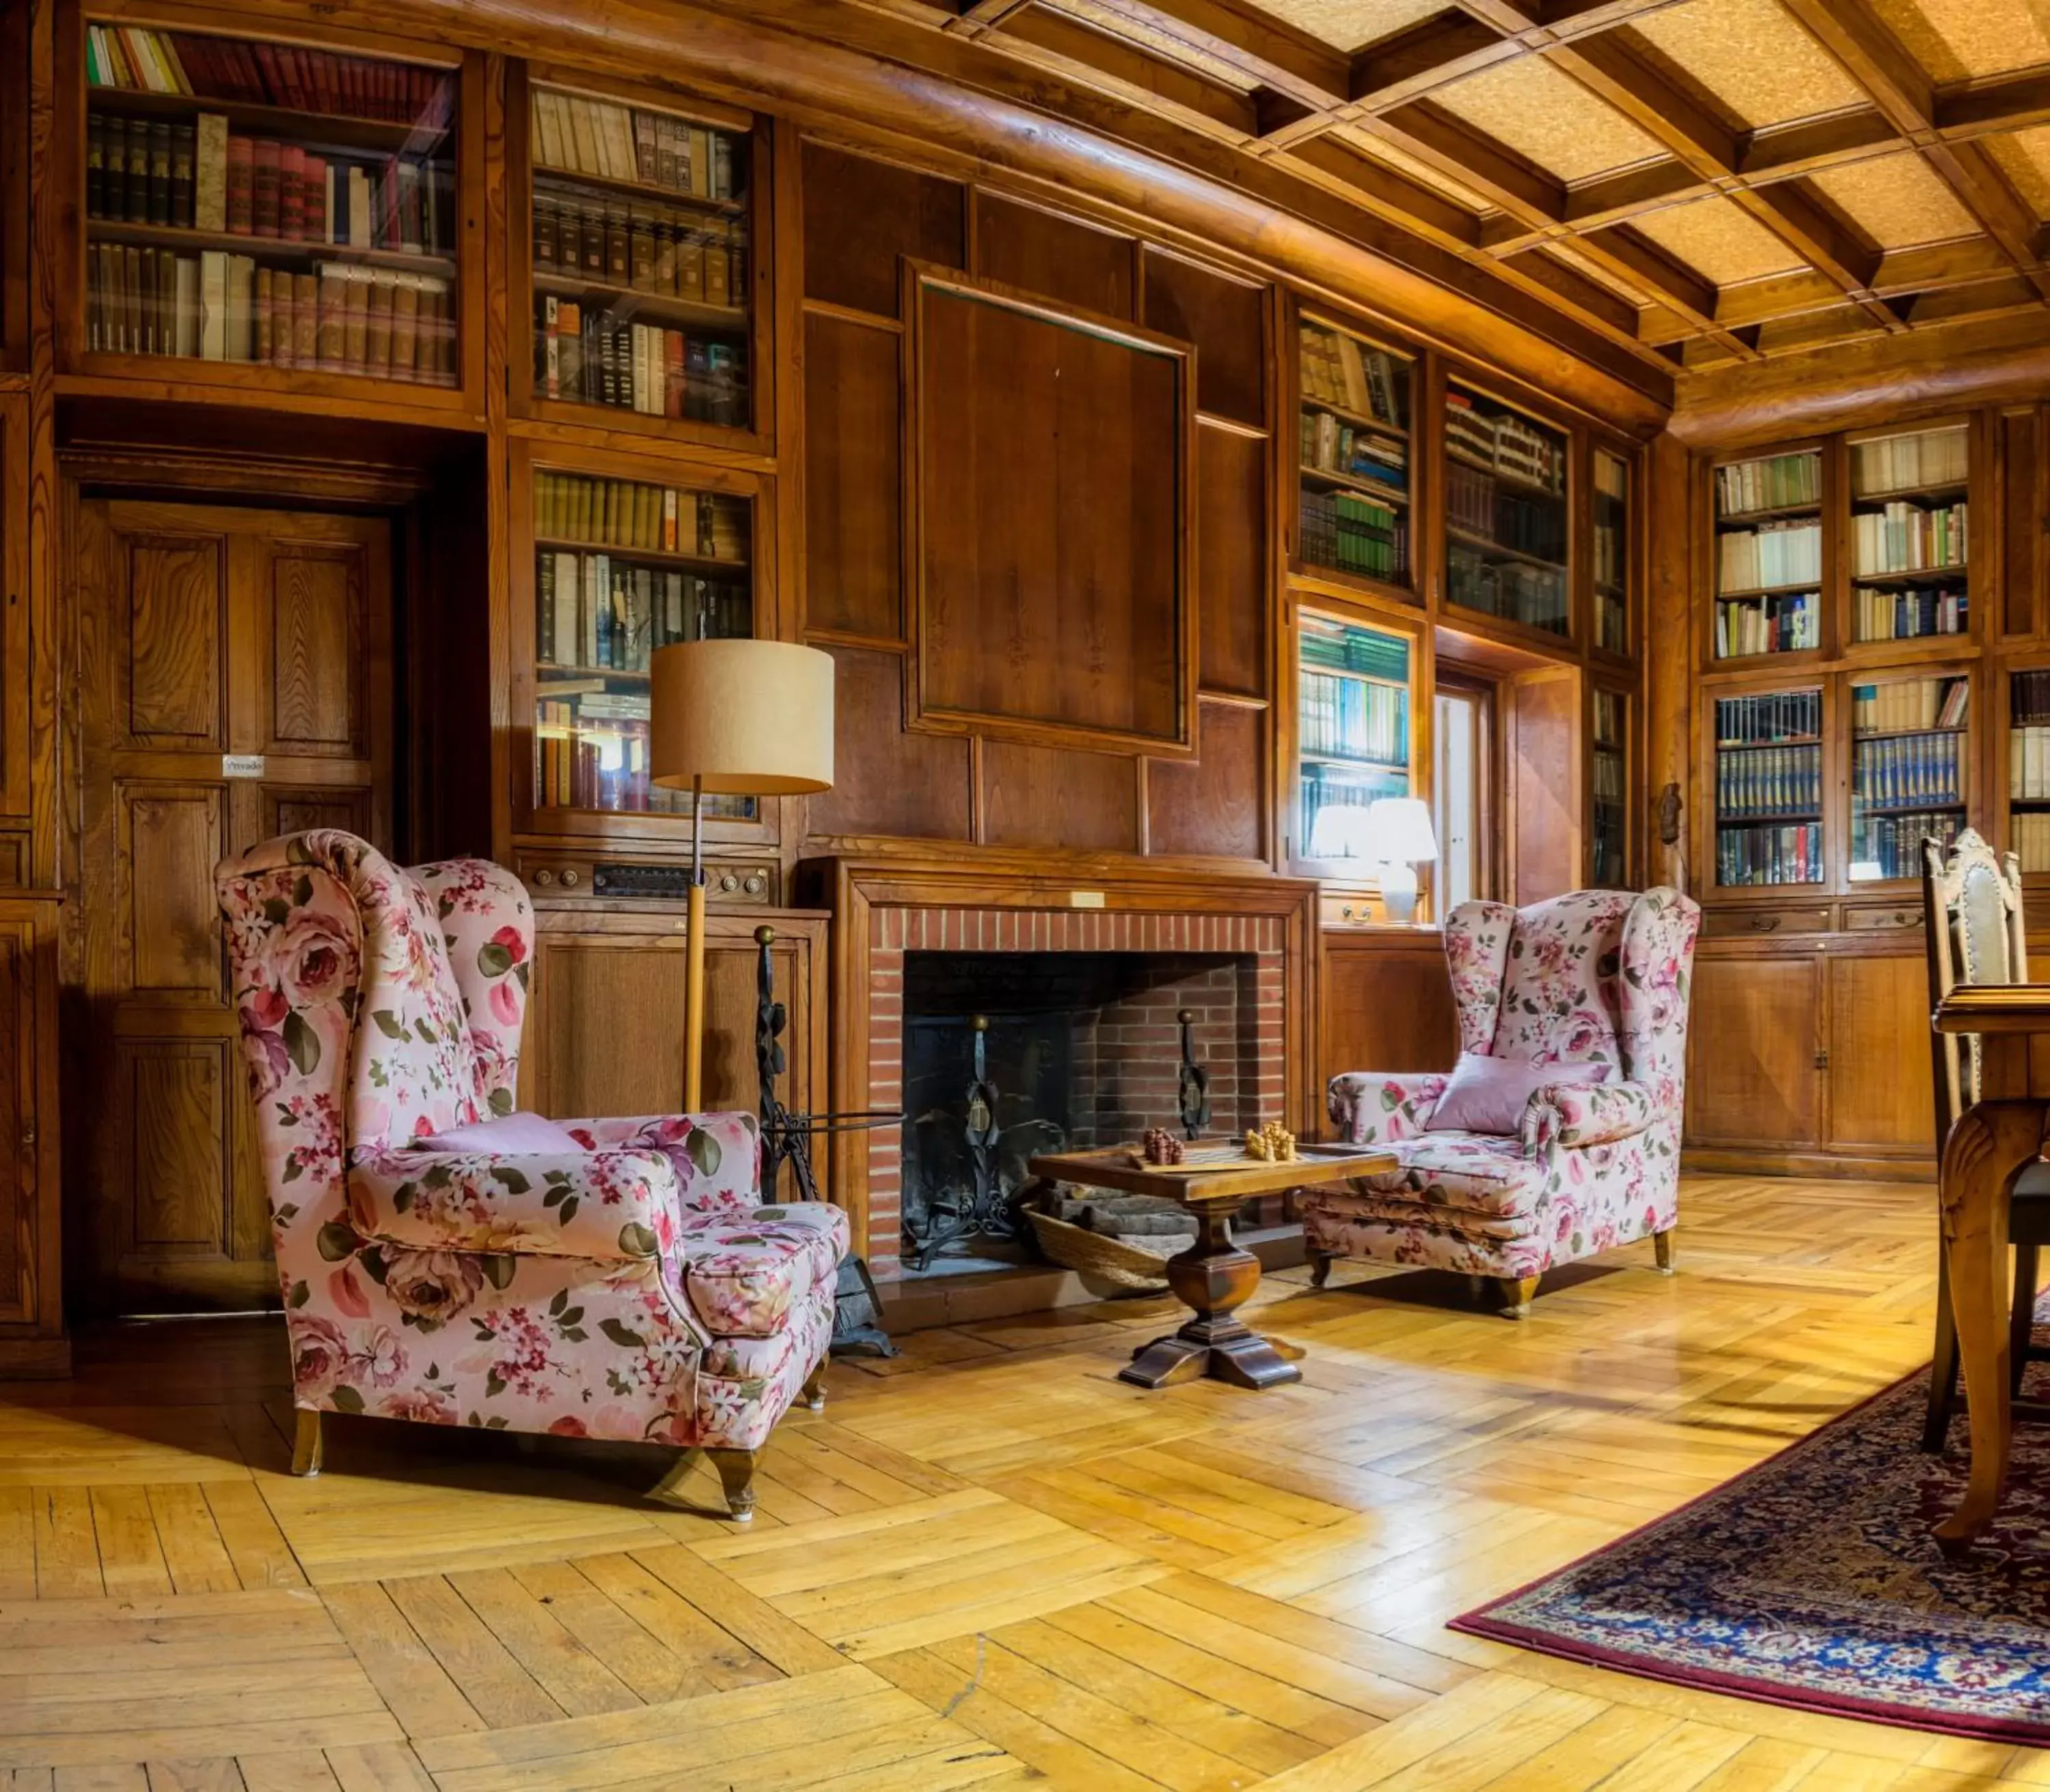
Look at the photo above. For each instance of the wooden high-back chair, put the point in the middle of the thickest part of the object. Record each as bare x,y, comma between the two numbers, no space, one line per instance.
1972,915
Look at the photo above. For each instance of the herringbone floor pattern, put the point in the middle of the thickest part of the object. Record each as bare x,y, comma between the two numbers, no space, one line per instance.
990,1564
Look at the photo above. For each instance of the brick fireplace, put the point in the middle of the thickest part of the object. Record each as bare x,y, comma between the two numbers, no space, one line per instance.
1237,951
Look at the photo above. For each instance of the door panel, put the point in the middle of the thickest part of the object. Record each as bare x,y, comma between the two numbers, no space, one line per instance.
202,631
1752,1045
1880,1092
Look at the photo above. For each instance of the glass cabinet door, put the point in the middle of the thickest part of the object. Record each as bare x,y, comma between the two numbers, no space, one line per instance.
1769,788
1608,782
1768,570
621,567
2028,768
1909,538
1611,518
1909,771
1353,685
1354,453
1506,517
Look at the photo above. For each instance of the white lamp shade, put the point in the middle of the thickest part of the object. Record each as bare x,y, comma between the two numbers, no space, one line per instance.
1341,830
742,717
1400,831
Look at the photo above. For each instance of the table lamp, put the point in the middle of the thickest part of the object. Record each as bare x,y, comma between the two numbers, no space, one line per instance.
738,717
1398,830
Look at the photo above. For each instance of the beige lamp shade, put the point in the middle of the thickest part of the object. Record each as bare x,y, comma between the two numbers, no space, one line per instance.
744,717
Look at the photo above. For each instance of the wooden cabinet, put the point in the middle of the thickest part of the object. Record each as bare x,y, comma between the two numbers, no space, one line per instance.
1809,1053
1385,1002
32,1340
605,1026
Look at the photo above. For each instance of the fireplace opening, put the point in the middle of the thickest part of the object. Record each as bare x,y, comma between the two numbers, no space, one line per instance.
1077,1049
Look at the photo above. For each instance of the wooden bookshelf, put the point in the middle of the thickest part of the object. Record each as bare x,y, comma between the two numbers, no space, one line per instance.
1770,790
1767,559
1355,733
1909,542
1355,456
1611,855
1508,533
1610,547
262,211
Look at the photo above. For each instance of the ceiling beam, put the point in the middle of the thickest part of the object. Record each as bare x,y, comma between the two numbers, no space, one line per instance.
1428,55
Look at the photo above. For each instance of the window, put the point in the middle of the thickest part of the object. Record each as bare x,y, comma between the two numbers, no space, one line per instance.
1459,751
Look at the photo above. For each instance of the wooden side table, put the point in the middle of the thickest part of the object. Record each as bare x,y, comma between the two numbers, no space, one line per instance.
1213,1278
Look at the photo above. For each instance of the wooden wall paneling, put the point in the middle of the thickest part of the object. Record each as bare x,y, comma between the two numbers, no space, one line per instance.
1212,806
1385,1003
853,475
17,670
1052,599
887,780
1665,500
32,1339
1880,1099
861,214
15,188
1056,256
1235,565
1226,320
1754,1039
1546,783
1055,796
2023,518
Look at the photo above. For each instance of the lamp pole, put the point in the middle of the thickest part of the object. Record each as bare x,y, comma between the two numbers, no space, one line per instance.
693,959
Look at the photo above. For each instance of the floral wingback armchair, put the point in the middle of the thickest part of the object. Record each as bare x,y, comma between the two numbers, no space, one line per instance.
1595,983
447,1259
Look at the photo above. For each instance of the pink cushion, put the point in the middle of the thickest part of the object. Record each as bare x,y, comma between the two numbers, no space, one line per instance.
515,1135
1488,1096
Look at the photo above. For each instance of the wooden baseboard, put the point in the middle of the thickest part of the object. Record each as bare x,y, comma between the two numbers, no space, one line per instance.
1699,1159
34,1359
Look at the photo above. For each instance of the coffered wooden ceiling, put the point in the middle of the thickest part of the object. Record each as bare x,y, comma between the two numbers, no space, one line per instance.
1705,182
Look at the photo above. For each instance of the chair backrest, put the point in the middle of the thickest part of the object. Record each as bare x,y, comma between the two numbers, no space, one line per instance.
1594,977
376,1004
1972,916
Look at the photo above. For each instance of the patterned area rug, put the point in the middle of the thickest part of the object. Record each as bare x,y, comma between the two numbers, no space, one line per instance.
1811,1581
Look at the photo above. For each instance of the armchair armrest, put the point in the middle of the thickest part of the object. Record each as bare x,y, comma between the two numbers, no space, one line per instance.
717,1157
1578,1115
611,1205
1369,1108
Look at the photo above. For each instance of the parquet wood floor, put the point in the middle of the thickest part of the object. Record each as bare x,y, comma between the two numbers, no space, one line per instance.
988,1564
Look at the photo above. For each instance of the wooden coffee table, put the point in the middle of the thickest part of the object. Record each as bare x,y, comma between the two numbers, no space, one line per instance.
1213,1278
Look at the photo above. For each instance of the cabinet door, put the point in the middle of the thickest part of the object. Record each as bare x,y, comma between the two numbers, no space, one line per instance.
1881,1099
20,1227
1386,1009
1753,1042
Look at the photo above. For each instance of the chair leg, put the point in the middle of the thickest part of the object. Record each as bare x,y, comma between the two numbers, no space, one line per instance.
736,1475
1943,1365
306,1444
1320,1267
1661,1247
1517,1294
2021,1314
814,1394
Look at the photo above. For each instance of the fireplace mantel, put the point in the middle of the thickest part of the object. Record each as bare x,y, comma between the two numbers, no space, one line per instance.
884,906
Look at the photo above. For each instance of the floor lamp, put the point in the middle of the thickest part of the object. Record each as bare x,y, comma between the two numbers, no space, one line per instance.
737,717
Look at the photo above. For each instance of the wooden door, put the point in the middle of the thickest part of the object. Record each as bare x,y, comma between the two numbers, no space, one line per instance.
1754,1041
1880,1099
233,679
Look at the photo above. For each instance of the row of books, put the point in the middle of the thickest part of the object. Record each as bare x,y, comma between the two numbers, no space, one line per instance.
1777,553
1891,845
594,614
1535,595
1768,781
1612,623
1337,369
1353,534
591,751
257,74
1348,647
626,514
202,177
1908,768
1331,447
1347,718
1478,503
1777,482
1769,855
1506,443
1607,711
673,255
1606,766
580,135
2029,835
2028,762
1910,703
1937,457
1768,625
1909,615
340,319
1777,716
1904,537
584,353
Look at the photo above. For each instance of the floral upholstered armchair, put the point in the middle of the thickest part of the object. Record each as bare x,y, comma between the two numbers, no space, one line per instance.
1593,985
447,1259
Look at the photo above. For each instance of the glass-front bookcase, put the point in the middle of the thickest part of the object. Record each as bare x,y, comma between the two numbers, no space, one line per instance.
1506,530
1910,537
1769,787
1909,771
262,203
1608,789
622,567
2028,768
1768,555
639,227
1609,528
1354,455
1354,693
